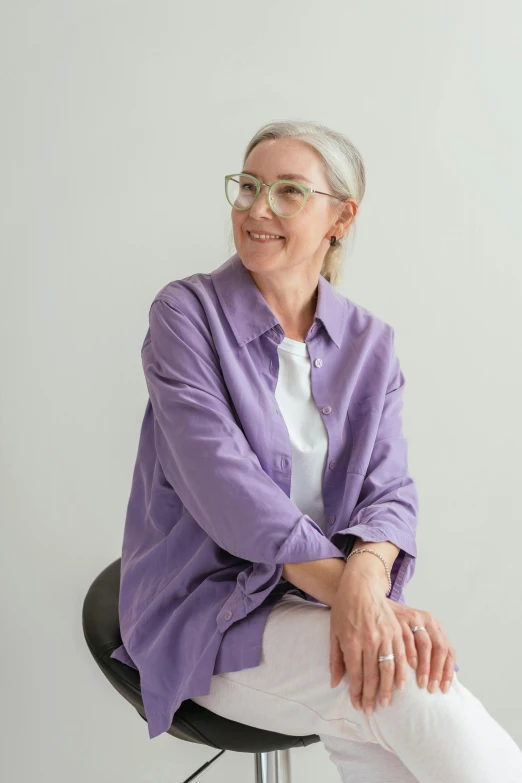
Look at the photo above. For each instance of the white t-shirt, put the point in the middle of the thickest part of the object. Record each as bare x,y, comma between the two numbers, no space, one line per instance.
308,435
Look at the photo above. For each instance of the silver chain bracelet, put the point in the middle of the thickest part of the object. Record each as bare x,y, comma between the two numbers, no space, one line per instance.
365,549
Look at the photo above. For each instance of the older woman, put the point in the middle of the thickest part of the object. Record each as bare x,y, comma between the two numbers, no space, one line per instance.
271,526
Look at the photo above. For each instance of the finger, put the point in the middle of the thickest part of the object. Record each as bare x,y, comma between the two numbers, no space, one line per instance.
372,676
439,653
387,675
354,670
449,670
336,662
401,661
410,649
423,645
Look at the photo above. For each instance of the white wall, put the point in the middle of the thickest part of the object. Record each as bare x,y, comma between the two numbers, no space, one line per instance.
111,114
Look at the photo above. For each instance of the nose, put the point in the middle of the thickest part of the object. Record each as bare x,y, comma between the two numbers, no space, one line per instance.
261,205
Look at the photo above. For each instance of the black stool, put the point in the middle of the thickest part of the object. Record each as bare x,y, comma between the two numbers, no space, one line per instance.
191,722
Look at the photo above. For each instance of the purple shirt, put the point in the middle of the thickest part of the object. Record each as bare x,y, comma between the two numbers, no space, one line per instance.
210,523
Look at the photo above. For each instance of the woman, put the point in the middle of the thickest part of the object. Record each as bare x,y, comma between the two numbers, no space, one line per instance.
271,526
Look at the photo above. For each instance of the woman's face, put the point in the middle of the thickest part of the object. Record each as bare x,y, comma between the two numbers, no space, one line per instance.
306,237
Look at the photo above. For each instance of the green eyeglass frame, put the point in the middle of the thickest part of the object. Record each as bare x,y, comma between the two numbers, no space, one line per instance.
259,184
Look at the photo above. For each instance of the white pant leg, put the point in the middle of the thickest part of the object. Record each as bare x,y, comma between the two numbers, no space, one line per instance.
447,737
421,737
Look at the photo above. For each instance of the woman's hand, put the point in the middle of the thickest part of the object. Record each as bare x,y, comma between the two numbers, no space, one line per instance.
364,624
436,656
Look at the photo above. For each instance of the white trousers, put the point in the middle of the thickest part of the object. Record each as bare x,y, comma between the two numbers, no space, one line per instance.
419,738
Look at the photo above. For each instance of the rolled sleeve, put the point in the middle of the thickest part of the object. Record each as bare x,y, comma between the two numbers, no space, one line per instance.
387,506
206,456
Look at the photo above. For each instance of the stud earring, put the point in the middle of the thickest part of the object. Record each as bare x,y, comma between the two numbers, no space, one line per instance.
333,240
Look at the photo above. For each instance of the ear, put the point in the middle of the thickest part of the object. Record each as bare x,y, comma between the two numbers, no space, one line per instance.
347,215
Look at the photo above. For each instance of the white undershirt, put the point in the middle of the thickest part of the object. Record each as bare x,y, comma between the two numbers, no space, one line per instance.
308,435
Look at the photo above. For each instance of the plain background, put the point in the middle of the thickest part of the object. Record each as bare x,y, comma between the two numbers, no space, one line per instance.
119,123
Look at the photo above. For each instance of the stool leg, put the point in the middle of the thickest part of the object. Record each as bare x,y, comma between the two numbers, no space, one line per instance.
273,767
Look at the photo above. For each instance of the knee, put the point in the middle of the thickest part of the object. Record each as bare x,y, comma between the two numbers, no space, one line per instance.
414,699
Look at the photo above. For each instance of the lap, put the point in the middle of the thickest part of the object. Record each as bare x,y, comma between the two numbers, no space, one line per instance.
289,692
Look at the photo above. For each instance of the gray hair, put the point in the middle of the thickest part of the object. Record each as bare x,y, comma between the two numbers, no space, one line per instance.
343,168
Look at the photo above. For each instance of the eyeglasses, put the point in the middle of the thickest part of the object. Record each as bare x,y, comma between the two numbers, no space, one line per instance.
286,198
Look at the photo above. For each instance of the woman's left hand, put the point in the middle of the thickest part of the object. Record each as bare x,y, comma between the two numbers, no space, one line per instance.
363,626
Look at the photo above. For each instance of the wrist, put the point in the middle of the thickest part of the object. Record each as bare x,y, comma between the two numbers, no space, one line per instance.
367,567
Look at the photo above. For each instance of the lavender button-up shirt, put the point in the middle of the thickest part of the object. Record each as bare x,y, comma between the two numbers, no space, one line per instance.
210,523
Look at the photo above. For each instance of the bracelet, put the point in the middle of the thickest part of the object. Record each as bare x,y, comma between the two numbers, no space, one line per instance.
357,551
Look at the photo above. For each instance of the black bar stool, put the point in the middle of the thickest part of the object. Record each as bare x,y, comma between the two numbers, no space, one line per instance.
191,722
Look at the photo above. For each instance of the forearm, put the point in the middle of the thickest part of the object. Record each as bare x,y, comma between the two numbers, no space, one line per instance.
321,578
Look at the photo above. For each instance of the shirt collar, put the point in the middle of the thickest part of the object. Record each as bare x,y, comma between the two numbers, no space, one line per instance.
249,314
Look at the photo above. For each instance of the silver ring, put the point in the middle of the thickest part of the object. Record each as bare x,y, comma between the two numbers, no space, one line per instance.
418,628
389,657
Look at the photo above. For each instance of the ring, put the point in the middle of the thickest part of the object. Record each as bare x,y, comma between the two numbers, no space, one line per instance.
391,656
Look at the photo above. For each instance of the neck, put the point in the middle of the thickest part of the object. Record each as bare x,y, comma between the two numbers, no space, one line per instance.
297,328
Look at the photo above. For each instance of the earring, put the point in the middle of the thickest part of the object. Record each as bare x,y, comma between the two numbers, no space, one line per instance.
333,240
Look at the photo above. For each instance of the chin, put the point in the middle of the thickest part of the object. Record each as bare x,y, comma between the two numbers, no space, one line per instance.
258,257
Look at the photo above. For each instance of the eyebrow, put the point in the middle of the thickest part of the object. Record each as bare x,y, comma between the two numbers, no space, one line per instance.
284,176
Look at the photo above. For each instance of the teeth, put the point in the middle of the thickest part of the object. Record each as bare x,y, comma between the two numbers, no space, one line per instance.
264,236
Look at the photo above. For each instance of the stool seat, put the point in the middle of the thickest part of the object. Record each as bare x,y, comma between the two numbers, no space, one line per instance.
191,722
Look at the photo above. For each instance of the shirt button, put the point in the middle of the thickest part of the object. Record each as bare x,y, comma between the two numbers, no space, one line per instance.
332,464
318,362
327,409
331,520
313,328
227,615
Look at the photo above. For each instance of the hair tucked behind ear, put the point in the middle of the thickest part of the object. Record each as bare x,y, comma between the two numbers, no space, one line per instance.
344,172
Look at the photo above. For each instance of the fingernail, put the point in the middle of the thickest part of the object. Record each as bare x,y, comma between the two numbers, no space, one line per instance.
414,662
358,706
445,686
434,686
423,681
368,710
384,703
400,686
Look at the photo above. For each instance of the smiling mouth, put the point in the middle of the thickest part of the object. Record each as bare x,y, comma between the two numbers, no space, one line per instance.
270,239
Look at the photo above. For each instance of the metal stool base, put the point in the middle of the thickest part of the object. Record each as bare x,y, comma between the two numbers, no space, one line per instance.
270,767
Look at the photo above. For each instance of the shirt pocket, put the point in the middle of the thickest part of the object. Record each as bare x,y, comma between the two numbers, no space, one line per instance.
364,416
